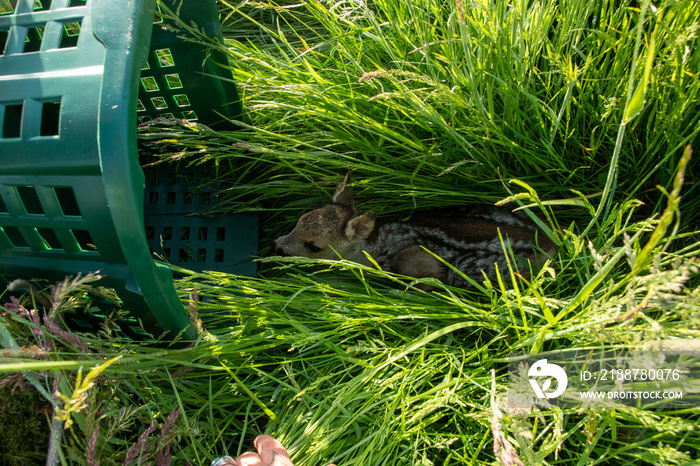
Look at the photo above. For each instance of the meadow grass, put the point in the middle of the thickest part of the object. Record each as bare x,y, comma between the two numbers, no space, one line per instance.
578,109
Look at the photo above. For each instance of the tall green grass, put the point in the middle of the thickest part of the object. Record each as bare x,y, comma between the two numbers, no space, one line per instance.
438,102
589,105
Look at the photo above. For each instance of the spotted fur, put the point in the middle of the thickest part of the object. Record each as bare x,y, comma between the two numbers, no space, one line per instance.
466,237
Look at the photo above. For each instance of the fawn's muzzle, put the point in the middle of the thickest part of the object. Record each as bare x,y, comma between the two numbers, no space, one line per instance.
277,248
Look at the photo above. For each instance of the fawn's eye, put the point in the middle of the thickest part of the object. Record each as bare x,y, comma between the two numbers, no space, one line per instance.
311,247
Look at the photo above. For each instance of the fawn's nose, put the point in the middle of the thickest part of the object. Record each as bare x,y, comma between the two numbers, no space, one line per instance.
277,248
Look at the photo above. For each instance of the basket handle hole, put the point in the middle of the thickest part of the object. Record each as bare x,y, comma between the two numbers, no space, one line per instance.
12,123
50,117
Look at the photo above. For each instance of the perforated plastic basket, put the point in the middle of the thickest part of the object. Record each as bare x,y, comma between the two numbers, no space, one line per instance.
177,231
182,79
71,188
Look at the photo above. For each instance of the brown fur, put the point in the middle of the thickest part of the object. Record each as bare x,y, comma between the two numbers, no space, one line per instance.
467,237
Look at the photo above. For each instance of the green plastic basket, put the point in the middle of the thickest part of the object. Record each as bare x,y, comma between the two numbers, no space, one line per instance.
71,187
182,79
177,232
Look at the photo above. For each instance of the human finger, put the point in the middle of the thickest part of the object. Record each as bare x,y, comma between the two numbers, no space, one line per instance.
249,459
271,451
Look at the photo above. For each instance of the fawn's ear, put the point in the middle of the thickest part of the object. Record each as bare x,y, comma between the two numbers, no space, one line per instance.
343,193
359,228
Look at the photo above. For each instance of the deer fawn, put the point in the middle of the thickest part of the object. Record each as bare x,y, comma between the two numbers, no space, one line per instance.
465,237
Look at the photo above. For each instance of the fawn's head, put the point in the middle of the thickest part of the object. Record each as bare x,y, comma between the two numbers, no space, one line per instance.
334,227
